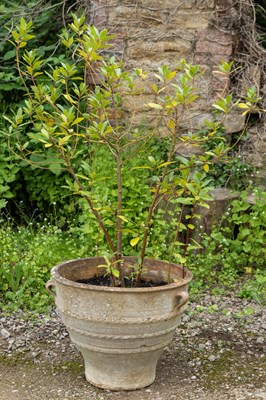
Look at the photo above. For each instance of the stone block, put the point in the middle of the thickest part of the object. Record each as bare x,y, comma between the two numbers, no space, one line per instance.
209,217
156,50
214,42
189,20
234,122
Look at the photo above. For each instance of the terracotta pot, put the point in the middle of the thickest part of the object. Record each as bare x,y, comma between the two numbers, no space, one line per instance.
121,332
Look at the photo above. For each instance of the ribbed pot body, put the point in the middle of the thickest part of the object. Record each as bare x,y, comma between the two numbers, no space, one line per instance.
121,332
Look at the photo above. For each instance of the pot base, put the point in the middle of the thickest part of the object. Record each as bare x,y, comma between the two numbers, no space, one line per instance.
124,372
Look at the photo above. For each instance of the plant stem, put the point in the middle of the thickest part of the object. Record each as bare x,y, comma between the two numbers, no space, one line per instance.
93,209
119,213
175,239
152,208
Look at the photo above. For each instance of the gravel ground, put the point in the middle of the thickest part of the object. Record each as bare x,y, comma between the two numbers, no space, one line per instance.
218,353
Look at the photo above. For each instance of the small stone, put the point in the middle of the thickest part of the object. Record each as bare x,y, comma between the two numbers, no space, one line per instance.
260,339
212,358
4,333
185,318
193,377
198,363
201,346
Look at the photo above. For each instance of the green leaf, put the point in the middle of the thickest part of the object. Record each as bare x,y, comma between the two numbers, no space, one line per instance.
3,203
185,201
180,258
151,159
249,310
244,232
182,227
179,243
205,205
84,193
9,54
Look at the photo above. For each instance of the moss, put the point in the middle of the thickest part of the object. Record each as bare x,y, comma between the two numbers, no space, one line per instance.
230,368
73,367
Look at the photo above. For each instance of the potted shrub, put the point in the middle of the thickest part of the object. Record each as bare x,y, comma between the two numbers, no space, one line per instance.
121,308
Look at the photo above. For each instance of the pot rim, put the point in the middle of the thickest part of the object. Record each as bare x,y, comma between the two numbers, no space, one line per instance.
58,278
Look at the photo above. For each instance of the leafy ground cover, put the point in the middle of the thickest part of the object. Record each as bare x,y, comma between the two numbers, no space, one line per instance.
231,258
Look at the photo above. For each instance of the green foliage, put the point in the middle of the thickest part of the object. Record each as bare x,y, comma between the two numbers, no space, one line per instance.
8,173
231,170
232,251
255,287
233,173
16,178
27,256
236,246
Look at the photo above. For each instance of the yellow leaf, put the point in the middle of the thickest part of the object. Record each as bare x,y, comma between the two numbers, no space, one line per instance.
243,105
63,140
48,144
158,77
154,88
171,75
155,105
134,241
115,272
77,121
123,218
206,168
22,44
166,163
69,98
171,124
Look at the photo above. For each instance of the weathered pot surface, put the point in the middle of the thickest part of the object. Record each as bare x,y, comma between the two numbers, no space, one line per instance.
121,332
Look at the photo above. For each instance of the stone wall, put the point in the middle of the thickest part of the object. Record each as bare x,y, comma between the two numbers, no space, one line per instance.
150,33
